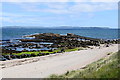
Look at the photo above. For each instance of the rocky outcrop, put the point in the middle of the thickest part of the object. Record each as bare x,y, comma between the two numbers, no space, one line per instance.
59,41
67,40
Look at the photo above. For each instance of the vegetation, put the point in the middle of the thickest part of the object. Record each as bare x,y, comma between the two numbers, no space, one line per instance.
31,52
108,67
74,49
40,53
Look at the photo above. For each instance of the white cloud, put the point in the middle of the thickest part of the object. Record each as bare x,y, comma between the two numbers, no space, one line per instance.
31,19
59,0
15,18
56,5
63,8
19,20
52,7
104,0
92,7
73,10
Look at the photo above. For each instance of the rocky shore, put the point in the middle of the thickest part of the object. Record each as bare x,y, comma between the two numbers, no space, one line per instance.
44,66
48,43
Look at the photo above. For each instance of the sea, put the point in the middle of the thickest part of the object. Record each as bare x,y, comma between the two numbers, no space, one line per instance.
101,33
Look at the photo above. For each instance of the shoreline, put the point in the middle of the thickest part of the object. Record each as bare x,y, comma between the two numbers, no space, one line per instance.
61,63
32,43
22,61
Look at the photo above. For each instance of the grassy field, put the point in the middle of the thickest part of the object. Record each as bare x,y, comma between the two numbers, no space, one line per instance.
108,67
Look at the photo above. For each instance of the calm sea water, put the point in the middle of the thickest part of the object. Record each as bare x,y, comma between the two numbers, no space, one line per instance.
12,33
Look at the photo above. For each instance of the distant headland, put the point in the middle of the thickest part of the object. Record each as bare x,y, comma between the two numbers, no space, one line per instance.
60,27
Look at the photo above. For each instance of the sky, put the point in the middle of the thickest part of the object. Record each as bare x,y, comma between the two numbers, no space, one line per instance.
53,14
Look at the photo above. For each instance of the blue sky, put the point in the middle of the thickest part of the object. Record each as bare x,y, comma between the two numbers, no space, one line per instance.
49,14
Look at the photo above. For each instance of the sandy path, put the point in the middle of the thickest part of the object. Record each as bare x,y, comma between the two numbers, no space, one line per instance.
58,64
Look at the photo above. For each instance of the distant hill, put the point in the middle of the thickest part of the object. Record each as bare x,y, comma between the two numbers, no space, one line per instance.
67,27
59,27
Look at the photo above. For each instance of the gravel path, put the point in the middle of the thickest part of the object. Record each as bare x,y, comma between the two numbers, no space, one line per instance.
59,64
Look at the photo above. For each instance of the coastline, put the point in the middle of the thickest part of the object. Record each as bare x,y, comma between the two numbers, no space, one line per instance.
60,64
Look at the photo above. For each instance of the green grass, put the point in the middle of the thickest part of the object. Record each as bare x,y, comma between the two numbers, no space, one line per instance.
36,52
75,49
108,67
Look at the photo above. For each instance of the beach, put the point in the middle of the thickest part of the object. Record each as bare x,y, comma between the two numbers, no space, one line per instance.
44,66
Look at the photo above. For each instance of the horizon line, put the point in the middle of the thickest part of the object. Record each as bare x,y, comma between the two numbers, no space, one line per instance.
60,26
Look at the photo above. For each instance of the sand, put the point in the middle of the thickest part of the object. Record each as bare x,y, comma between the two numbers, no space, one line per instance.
44,66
